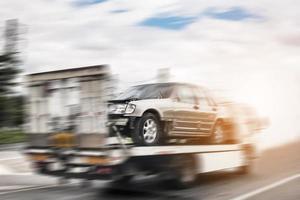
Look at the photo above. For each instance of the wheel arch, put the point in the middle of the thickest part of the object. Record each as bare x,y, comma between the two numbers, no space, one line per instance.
223,120
153,111
136,134
229,130
219,120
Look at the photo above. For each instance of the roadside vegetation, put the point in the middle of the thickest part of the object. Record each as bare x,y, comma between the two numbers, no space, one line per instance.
11,99
11,136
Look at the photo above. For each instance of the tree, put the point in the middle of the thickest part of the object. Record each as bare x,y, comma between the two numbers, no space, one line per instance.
11,111
9,59
11,107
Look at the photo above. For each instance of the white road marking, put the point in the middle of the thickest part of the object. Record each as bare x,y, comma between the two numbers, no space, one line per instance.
35,188
8,167
82,196
268,187
16,173
14,158
5,170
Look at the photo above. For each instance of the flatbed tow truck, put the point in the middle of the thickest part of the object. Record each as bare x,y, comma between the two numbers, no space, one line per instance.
122,162
93,155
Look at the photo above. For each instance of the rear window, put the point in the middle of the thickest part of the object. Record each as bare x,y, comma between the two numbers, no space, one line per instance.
153,91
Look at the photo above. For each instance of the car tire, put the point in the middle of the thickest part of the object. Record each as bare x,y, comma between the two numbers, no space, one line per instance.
218,134
148,131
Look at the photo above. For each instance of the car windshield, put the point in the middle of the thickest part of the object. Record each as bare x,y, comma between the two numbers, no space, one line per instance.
151,91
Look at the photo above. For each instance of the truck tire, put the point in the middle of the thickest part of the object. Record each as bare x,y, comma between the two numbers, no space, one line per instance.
243,170
122,175
248,150
184,172
148,131
122,181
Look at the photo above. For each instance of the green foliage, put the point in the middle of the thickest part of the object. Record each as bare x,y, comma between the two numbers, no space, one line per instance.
11,111
11,106
12,136
9,60
8,72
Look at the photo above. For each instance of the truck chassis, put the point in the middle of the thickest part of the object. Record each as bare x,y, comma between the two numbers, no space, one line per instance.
121,162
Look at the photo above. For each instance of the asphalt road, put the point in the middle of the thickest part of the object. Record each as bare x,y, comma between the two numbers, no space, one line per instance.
276,176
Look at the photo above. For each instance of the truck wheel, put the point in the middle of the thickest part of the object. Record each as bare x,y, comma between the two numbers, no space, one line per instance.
63,181
243,170
148,131
185,172
218,134
122,181
123,174
86,183
249,163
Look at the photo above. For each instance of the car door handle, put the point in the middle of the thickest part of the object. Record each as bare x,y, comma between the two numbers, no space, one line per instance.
196,107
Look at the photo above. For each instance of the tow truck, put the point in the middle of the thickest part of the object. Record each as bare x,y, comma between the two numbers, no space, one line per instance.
68,136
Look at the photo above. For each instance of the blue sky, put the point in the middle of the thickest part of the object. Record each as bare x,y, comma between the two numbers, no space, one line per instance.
180,22
172,22
233,14
87,2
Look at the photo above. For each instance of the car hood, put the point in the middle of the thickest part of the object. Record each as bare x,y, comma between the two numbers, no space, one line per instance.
122,100
129,100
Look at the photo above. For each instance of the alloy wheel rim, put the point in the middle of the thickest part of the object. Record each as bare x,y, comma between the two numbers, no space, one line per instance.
218,134
149,130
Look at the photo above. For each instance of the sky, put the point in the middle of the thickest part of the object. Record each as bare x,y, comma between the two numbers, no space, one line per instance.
250,49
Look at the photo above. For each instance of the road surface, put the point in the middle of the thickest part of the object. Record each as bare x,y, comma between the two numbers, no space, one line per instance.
276,176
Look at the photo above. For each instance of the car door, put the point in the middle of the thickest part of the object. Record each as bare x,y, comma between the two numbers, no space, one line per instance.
206,112
185,112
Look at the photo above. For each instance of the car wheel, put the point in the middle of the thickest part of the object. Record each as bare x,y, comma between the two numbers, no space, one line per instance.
218,134
148,131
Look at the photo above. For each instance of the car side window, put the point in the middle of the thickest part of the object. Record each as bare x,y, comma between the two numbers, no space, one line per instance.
201,97
186,94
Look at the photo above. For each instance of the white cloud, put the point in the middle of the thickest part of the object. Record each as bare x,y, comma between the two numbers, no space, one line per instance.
58,28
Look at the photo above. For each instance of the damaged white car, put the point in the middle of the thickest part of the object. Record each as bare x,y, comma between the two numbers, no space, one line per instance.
152,114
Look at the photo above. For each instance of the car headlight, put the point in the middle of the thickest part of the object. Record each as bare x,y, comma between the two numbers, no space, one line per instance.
117,108
130,108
